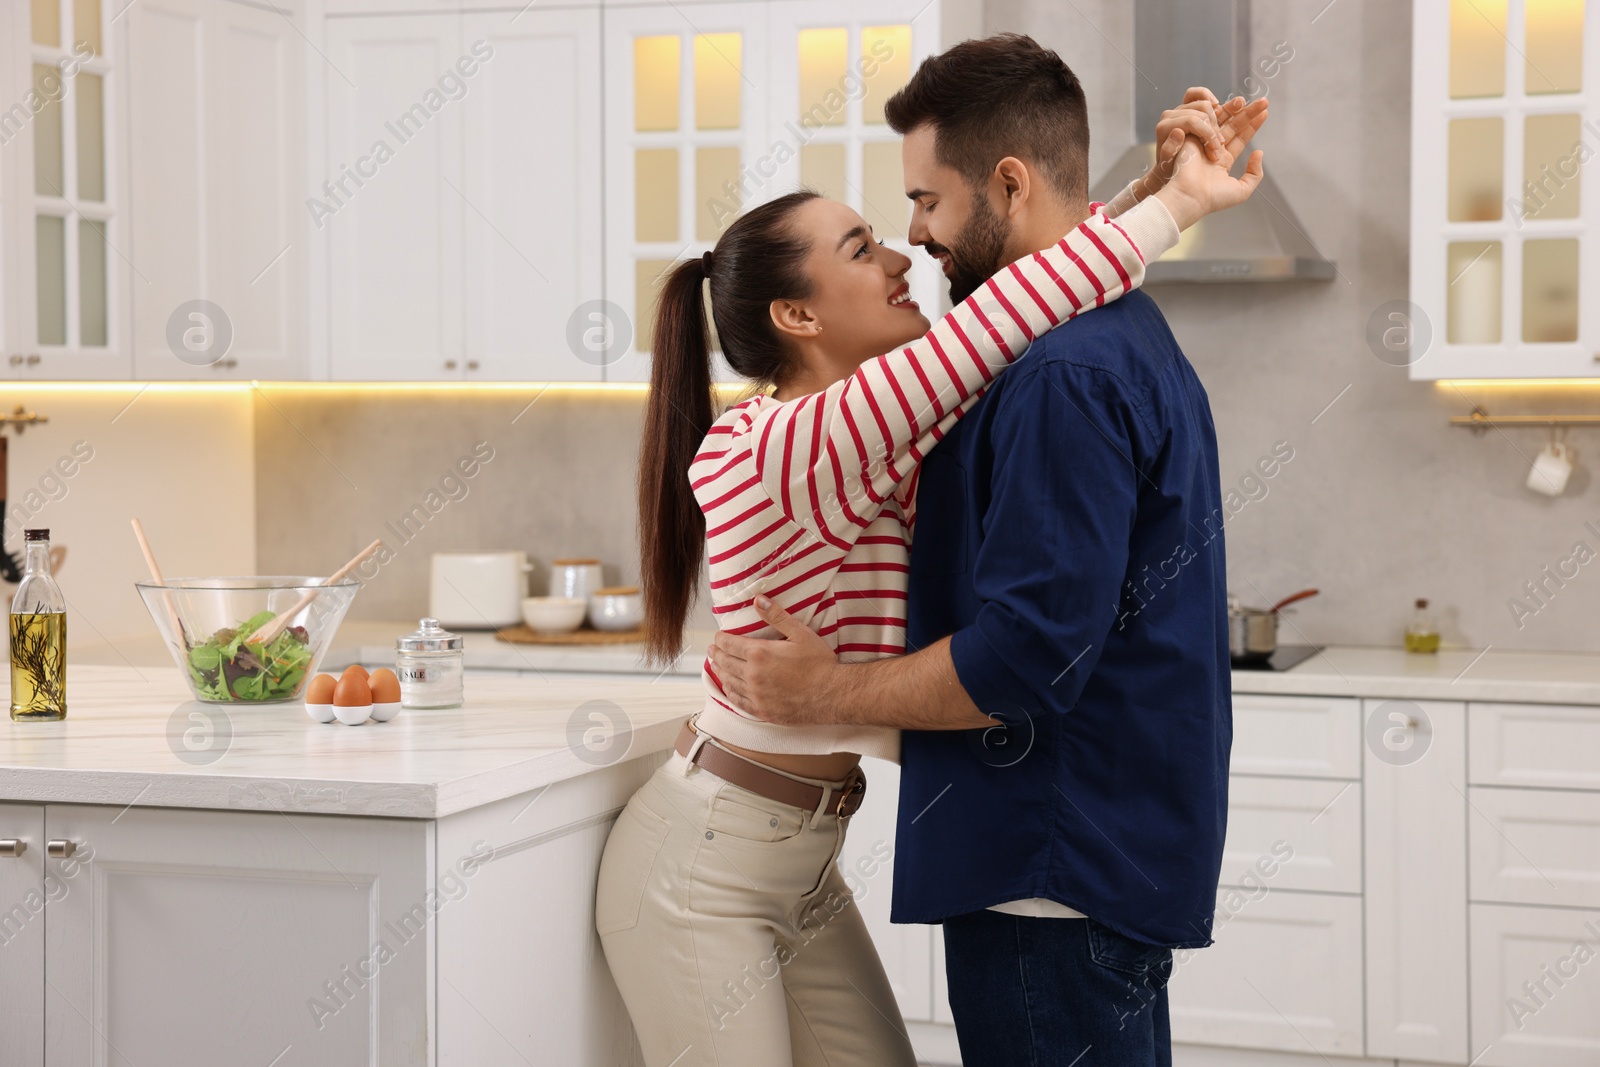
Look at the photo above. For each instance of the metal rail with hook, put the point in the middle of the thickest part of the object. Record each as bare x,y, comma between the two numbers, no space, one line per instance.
22,418
1480,420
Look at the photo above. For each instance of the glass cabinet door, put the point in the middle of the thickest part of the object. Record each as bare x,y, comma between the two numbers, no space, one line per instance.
686,136
835,65
64,317
1504,254
732,105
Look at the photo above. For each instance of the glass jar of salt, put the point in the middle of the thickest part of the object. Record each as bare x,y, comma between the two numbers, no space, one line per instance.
429,664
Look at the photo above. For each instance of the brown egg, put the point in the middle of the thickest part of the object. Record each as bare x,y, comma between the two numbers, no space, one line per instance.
355,670
385,686
320,690
352,692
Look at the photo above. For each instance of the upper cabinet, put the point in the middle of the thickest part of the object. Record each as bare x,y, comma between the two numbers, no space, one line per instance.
416,190
460,215
216,156
63,192
1505,254
715,108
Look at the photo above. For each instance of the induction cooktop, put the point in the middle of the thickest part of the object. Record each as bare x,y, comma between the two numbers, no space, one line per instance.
1287,656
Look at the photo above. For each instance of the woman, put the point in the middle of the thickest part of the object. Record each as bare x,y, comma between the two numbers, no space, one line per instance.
724,918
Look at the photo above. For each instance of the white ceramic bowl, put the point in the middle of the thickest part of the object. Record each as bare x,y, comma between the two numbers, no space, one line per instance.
553,614
616,608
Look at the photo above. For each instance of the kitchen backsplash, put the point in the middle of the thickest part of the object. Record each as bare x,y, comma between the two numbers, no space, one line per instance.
552,476
179,460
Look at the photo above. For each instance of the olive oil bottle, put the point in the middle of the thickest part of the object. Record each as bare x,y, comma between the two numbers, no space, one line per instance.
38,638
1423,633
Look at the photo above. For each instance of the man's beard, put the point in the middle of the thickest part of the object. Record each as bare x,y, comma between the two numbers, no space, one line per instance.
978,251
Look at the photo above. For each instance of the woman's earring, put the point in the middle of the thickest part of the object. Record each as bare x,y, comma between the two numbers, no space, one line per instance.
819,327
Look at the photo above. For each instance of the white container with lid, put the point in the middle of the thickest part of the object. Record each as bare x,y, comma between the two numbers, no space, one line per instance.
429,663
478,590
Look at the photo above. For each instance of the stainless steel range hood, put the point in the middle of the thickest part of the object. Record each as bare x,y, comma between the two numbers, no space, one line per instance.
1179,43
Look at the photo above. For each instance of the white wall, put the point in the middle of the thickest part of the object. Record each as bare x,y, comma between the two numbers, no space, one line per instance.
181,461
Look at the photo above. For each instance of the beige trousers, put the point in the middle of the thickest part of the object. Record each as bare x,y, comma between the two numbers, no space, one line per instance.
732,936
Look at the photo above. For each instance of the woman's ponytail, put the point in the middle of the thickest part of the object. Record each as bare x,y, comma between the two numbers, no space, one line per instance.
758,259
672,529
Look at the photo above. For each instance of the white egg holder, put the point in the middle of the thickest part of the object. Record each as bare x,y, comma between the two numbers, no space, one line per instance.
377,712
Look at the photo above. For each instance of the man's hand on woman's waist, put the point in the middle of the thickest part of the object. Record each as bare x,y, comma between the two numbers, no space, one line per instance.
797,680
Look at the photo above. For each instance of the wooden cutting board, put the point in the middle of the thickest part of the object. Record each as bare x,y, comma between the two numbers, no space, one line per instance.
525,635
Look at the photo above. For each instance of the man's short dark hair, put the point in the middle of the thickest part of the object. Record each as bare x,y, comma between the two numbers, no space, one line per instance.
1000,96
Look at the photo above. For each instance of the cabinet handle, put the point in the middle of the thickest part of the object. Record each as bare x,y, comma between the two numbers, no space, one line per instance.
33,359
449,364
16,359
472,364
59,849
11,848
225,363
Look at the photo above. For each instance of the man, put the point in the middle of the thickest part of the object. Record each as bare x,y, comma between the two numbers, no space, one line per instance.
1067,583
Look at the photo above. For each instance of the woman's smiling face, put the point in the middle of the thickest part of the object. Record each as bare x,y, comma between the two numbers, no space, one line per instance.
860,304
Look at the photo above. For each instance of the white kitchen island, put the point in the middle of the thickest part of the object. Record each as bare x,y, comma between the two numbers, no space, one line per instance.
247,887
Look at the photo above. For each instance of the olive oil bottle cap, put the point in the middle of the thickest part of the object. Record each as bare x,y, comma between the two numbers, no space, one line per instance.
36,535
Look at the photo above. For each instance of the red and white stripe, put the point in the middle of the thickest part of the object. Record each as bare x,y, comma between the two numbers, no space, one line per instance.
812,502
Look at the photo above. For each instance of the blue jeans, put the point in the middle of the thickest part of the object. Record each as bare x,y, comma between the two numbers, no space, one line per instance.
1032,992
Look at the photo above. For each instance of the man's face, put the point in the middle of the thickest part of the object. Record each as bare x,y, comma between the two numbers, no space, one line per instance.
956,224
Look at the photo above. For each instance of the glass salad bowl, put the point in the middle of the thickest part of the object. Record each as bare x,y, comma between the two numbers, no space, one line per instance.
215,627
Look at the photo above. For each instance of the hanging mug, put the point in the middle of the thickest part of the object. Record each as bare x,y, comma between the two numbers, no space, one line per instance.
1552,468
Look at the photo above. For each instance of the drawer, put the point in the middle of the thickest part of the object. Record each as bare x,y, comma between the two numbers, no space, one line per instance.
1550,745
1293,833
1535,847
1535,987
1296,737
1285,972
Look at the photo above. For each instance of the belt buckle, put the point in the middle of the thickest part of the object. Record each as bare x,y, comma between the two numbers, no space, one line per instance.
853,794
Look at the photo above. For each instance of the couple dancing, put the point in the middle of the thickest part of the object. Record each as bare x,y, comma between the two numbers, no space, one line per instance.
1062,716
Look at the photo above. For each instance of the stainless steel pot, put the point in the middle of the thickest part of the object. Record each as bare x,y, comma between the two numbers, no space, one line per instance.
1253,632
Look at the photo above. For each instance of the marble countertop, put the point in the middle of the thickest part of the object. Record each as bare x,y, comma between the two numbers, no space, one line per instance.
1483,675
133,736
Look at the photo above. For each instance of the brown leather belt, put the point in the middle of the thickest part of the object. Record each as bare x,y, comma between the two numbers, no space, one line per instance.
748,774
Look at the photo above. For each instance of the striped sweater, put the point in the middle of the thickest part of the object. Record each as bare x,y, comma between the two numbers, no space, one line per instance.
812,501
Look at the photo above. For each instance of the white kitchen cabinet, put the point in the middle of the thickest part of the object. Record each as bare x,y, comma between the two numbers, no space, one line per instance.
233,937
522,977
1416,874
462,221
23,894
1285,973
1543,746
1305,831
687,122
389,216
1296,737
1504,254
402,7
216,200
1533,846
713,108
1533,990
532,195
65,276
192,936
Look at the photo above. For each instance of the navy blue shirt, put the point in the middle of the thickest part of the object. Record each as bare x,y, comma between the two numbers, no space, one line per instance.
1069,536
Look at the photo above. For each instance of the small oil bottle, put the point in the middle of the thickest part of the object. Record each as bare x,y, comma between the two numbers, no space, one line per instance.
38,638
1422,635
